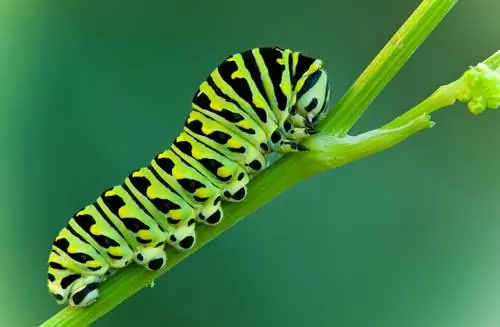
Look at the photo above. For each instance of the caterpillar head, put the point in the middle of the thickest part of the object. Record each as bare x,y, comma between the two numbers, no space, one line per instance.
313,96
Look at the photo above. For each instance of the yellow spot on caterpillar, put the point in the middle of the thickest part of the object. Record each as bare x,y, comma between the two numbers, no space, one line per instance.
125,212
175,214
223,172
137,173
84,211
93,264
286,87
259,102
110,193
245,124
202,193
233,143
196,153
215,106
95,230
177,173
181,138
72,248
144,234
164,154
152,192
207,129
116,251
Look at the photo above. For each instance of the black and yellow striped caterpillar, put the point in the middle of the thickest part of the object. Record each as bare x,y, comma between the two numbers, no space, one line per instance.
261,101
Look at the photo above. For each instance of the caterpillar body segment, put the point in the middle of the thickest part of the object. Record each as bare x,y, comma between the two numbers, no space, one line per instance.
195,188
257,103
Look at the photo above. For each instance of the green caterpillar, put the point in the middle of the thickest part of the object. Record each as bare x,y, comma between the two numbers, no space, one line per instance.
257,102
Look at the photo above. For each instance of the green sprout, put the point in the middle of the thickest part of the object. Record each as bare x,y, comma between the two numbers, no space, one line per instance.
479,87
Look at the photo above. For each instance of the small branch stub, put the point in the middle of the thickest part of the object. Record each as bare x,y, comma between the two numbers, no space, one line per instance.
329,151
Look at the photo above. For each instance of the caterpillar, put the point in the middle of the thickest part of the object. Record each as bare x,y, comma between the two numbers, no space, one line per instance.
257,102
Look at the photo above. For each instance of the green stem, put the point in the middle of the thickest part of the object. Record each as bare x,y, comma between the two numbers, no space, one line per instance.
386,64
291,169
443,96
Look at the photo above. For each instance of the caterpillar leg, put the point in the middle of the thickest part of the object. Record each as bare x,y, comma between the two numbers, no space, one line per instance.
237,196
85,291
296,132
183,237
281,145
214,219
152,258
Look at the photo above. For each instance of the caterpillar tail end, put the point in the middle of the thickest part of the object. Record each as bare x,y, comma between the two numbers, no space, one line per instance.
83,293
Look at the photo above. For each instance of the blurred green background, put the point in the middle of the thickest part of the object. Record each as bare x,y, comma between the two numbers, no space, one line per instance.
90,90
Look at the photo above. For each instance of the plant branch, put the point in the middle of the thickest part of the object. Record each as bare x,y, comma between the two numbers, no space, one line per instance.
291,169
386,64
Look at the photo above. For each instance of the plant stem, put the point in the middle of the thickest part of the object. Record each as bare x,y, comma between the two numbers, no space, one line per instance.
386,64
291,169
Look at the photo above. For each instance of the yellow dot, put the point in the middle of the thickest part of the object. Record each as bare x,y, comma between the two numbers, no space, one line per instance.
286,87
207,129
177,173
95,230
152,192
259,102
246,124
72,248
93,264
116,251
144,234
125,212
215,106
196,153
232,143
223,172
202,192
175,214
